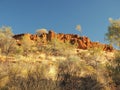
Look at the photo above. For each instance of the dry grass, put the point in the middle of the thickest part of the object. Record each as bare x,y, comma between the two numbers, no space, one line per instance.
70,71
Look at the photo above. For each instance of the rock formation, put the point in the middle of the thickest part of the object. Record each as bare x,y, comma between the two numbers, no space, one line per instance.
19,37
83,42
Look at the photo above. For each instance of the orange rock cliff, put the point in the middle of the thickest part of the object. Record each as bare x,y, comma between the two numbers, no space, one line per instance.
83,42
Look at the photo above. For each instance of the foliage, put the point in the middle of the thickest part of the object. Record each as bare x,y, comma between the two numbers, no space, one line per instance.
78,27
114,70
28,76
70,76
41,31
55,47
7,43
113,34
25,76
27,44
56,66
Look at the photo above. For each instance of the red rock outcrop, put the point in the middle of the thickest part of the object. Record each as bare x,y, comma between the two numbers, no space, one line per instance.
51,35
82,42
19,37
34,37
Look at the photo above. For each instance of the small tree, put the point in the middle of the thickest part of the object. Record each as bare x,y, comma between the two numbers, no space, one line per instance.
113,34
41,31
7,43
78,27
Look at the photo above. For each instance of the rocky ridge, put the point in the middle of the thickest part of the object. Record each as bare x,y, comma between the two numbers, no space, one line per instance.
82,42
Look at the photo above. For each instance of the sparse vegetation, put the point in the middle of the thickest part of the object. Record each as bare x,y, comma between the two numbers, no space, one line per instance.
78,27
7,43
113,34
114,70
41,31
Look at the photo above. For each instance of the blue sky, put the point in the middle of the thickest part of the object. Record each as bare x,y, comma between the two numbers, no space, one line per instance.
62,16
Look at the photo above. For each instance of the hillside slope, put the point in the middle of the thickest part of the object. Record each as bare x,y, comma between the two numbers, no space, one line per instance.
54,62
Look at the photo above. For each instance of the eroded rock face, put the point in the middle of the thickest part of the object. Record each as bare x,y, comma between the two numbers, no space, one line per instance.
33,37
108,48
51,35
19,37
82,42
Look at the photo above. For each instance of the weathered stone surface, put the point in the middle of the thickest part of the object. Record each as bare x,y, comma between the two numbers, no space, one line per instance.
83,42
19,37
33,37
108,48
51,35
